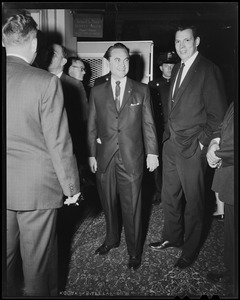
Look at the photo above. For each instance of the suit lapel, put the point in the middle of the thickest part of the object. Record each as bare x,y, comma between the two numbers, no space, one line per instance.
189,76
127,93
109,94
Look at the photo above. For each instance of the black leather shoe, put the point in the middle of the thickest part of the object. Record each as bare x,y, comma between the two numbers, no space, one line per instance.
215,277
184,262
163,245
156,199
219,217
104,249
134,262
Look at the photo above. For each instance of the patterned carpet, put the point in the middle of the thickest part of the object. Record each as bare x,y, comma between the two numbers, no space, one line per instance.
88,274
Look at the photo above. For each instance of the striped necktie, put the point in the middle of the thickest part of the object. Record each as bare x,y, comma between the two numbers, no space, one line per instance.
117,95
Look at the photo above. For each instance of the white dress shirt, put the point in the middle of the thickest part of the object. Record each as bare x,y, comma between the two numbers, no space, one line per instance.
187,64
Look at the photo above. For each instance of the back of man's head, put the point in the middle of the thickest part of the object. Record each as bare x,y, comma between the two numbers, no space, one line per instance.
18,30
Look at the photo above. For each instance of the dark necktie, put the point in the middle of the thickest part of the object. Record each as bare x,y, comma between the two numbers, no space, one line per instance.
117,95
178,81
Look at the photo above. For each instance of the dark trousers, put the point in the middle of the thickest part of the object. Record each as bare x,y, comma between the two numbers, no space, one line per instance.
158,179
117,184
158,171
36,232
183,219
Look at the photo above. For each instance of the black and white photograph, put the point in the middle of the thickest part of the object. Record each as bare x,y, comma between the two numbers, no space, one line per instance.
120,150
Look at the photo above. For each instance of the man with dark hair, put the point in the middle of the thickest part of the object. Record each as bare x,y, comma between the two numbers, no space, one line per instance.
196,107
41,166
120,128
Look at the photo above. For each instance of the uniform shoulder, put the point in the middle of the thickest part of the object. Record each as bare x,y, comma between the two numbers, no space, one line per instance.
102,79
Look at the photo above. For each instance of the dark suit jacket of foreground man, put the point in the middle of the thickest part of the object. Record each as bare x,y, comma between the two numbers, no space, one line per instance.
40,169
132,132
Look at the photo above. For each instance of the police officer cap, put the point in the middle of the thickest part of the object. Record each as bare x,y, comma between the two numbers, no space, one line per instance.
168,58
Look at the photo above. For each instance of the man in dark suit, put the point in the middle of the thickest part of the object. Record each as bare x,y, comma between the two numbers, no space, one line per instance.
220,155
41,166
76,103
196,107
121,132
75,100
159,90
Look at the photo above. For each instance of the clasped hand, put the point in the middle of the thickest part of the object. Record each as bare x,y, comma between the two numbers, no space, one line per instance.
213,160
73,199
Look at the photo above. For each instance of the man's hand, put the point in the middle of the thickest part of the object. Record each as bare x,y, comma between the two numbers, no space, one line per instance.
213,160
93,164
152,162
72,200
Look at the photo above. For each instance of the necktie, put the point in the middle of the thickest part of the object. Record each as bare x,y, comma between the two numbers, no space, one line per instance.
178,81
117,95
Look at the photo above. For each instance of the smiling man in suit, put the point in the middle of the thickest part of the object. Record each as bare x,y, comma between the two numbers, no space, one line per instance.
121,131
40,164
196,107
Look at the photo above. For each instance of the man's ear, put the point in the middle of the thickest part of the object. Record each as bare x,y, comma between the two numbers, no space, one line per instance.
197,41
34,45
161,68
108,64
64,61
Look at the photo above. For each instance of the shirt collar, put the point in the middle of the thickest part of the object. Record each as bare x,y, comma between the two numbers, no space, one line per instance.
59,74
191,59
17,55
122,81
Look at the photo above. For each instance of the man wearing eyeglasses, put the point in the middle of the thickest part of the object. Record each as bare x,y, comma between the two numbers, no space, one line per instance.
76,68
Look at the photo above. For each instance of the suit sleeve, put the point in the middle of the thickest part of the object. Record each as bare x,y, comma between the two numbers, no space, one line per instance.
215,102
226,151
149,130
58,140
92,126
